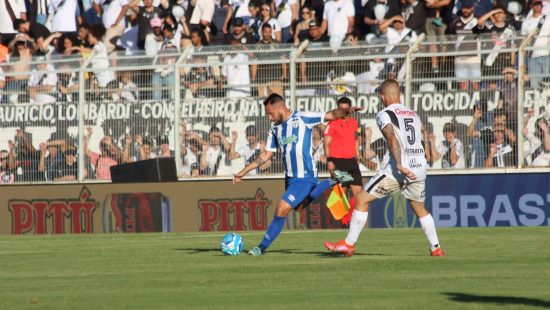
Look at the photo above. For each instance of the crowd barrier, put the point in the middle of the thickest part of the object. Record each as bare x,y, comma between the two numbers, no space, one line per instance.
209,101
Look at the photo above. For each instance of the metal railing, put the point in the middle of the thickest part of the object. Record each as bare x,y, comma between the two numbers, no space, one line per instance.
204,107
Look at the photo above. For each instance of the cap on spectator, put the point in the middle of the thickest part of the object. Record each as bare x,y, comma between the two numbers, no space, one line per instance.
250,130
509,70
344,100
238,22
156,22
195,166
71,150
313,23
467,3
163,140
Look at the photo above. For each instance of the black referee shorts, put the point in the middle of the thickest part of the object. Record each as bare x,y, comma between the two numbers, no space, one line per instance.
350,166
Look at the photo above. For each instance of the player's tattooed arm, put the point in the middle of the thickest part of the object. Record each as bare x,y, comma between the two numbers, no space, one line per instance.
260,160
339,113
395,151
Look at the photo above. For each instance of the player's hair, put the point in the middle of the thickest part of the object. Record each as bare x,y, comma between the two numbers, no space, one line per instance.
390,88
273,98
344,100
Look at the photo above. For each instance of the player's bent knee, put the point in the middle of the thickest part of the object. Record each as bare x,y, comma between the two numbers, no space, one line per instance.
283,208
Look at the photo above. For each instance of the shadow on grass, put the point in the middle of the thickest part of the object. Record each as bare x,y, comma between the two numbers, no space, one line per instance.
283,251
500,300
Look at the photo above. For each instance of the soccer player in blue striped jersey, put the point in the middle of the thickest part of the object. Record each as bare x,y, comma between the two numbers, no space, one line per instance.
291,134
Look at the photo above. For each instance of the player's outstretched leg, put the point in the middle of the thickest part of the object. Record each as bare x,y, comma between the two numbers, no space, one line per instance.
358,222
273,230
321,187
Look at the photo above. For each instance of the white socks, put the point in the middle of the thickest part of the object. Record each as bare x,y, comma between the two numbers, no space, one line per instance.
358,222
428,226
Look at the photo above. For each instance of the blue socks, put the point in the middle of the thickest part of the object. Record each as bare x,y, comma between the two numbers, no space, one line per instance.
272,232
320,188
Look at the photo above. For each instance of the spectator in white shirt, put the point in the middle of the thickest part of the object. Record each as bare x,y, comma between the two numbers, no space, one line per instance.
265,18
63,15
450,150
235,9
42,83
112,13
339,20
538,63
534,19
202,17
235,71
7,21
286,12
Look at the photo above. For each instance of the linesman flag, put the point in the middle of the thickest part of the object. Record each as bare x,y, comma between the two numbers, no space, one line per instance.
337,202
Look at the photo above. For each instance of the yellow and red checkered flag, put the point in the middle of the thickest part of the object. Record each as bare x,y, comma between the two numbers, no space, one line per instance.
337,202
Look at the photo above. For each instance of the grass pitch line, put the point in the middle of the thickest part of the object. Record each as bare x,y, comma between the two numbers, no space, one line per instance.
221,233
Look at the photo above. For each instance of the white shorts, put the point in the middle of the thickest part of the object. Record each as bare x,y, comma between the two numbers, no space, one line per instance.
382,185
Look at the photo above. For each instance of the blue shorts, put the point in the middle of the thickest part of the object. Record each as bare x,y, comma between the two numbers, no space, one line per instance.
297,190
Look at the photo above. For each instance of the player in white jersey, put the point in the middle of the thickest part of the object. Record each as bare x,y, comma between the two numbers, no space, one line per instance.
405,171
291,134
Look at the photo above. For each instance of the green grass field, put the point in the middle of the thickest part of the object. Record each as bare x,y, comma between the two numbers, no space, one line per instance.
485,268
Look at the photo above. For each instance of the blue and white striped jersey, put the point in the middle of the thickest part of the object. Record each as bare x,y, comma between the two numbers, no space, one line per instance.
293,137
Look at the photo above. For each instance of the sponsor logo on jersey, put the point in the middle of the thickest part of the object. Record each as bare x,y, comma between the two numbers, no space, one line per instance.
405,112
289,139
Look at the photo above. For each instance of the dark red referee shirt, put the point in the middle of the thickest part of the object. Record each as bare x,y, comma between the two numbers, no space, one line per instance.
343,133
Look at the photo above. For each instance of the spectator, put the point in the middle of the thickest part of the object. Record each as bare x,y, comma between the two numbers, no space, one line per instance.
42,83
164,150
214,159
375,12
479,131
467,67
302,27
27,158
537,63
501,121
20,60
200,79
319,157
317,7
269,77
197,40
7,175
67,84
509,99
10,11
537,144
414,14
495,22
253,25
40,8
129,88
435,28
533,20
251,150
397,34
239,33
202,18
63,16
36,31
266,18
286,12
429,142
62,45
113,16
110,155
68,170
143,149
338,21
145,14
501,151
235,71
316,33
100,62
235,9
450,150
316,37
154,40
191,151
51,164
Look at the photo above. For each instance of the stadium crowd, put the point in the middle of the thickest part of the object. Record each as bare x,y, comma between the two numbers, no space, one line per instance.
43,30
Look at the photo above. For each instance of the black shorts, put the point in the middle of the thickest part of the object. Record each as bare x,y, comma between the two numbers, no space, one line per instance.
350,166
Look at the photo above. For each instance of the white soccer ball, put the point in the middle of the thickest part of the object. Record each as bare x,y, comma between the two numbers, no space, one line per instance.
178,11
232,244
514,7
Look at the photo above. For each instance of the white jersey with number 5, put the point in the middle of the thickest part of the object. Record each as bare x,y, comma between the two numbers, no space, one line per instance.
407,127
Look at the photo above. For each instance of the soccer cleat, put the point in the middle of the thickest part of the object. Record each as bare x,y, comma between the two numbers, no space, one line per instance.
340,247
255,251
437,252
342,176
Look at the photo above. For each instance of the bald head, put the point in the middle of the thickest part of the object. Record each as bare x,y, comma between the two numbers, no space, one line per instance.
390,91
